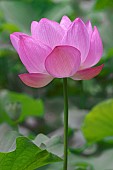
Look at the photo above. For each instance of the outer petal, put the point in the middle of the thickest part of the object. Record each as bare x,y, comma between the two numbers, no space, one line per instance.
36,80
14,37
65,22
87,74
89,28
78,37
49,32
63,61
33,54
96,50
34,26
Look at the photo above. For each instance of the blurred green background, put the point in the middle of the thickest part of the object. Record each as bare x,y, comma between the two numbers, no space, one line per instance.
18,102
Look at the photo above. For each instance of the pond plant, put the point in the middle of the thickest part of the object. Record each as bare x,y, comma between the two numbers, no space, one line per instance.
59,50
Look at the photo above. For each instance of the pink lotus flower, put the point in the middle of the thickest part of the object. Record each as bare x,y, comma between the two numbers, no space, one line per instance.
54,50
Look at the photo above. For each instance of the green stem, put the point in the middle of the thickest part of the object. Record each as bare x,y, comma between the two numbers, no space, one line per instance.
65,123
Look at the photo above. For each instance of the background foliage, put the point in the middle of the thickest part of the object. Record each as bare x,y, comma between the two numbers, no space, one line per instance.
29,112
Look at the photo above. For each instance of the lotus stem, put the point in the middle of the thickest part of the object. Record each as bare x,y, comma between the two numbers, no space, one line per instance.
65,123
